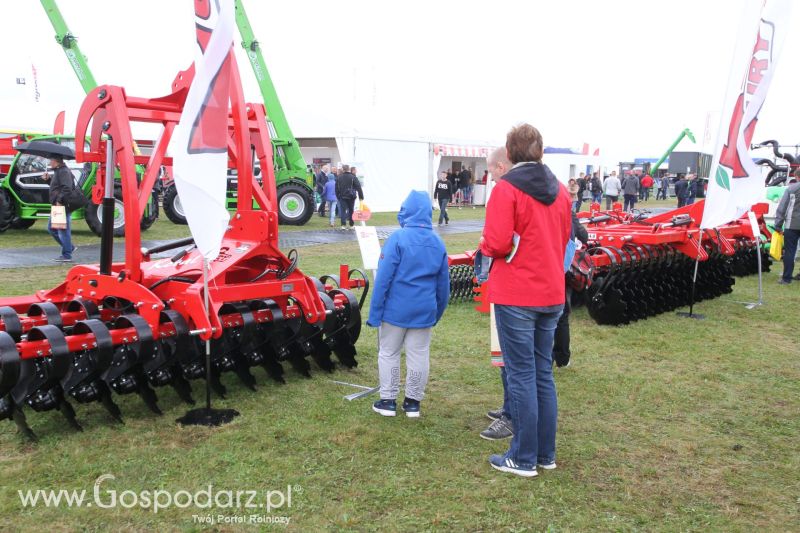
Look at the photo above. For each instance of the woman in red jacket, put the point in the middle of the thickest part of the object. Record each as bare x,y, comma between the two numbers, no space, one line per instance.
528,224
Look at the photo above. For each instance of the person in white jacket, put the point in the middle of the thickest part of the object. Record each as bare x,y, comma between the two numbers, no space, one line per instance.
611,188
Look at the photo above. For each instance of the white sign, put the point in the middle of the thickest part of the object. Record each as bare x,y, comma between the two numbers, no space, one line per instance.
370,247
754,225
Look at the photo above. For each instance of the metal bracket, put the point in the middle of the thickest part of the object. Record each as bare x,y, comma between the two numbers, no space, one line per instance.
365,391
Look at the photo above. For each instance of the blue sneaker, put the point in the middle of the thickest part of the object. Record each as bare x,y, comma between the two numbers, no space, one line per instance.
385,407
546,466
506,464
411,407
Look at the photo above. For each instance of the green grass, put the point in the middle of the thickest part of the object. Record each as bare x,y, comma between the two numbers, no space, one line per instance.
666,424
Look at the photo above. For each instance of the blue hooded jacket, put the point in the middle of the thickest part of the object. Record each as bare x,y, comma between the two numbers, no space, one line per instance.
413,281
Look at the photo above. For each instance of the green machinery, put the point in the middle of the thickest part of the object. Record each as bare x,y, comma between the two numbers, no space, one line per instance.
293,177
24,195
685,133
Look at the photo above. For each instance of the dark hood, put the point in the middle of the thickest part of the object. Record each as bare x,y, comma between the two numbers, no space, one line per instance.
416,211
535,180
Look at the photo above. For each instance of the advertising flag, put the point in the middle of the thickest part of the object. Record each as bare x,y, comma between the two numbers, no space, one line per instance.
735,181
200,142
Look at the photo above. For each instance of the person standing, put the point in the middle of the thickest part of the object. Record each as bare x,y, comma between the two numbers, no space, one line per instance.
581,188
451,177
573,188
691,192
682,190
443,192
561,351
410,294
612,188
787,221
329,197
664,188
597,188
646,183
527,227
470,187
347,189
500,427
60,184
321,178
630,188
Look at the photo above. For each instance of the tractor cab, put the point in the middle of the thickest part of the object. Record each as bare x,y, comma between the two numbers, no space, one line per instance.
26,181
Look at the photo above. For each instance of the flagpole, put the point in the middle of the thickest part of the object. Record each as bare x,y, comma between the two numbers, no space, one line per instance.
691,314
206,416
208,340
760,281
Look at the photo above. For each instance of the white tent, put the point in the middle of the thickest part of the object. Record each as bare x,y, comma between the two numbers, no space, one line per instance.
391,167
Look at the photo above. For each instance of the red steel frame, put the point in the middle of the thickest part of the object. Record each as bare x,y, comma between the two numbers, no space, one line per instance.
249,248
679,229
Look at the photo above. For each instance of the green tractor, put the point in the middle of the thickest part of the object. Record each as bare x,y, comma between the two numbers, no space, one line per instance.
293,177
295,199
24,194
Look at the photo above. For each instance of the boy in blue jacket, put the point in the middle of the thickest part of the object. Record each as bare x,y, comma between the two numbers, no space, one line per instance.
411,291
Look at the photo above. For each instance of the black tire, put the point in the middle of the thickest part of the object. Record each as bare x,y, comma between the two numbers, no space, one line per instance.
7,211
95,223
22,223
172,205
295,204
151,215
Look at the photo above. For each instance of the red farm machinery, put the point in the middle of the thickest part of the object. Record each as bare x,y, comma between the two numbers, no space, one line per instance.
637,265
133,326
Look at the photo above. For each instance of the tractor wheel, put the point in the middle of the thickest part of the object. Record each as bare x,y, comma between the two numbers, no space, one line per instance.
7,211
151,215
295,204
22,223
172,205
95,221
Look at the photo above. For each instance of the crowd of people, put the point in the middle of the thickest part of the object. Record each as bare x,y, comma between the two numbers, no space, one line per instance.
462,186
630,189
338,189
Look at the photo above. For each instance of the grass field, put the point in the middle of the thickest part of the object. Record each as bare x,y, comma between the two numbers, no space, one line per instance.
666,424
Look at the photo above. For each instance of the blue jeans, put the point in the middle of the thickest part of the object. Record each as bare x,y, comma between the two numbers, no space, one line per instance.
790,238
504,380
630,202
443,210
526,339
597,197
63,237
332,206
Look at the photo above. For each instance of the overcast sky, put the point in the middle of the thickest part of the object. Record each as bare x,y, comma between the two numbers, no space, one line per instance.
624,76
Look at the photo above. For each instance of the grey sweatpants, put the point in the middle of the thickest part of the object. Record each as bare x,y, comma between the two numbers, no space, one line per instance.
418,343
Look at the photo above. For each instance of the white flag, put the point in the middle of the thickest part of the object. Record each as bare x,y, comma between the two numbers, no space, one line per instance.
735,182
200,141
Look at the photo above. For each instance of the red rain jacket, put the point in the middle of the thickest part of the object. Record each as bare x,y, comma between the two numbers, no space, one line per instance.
535,275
